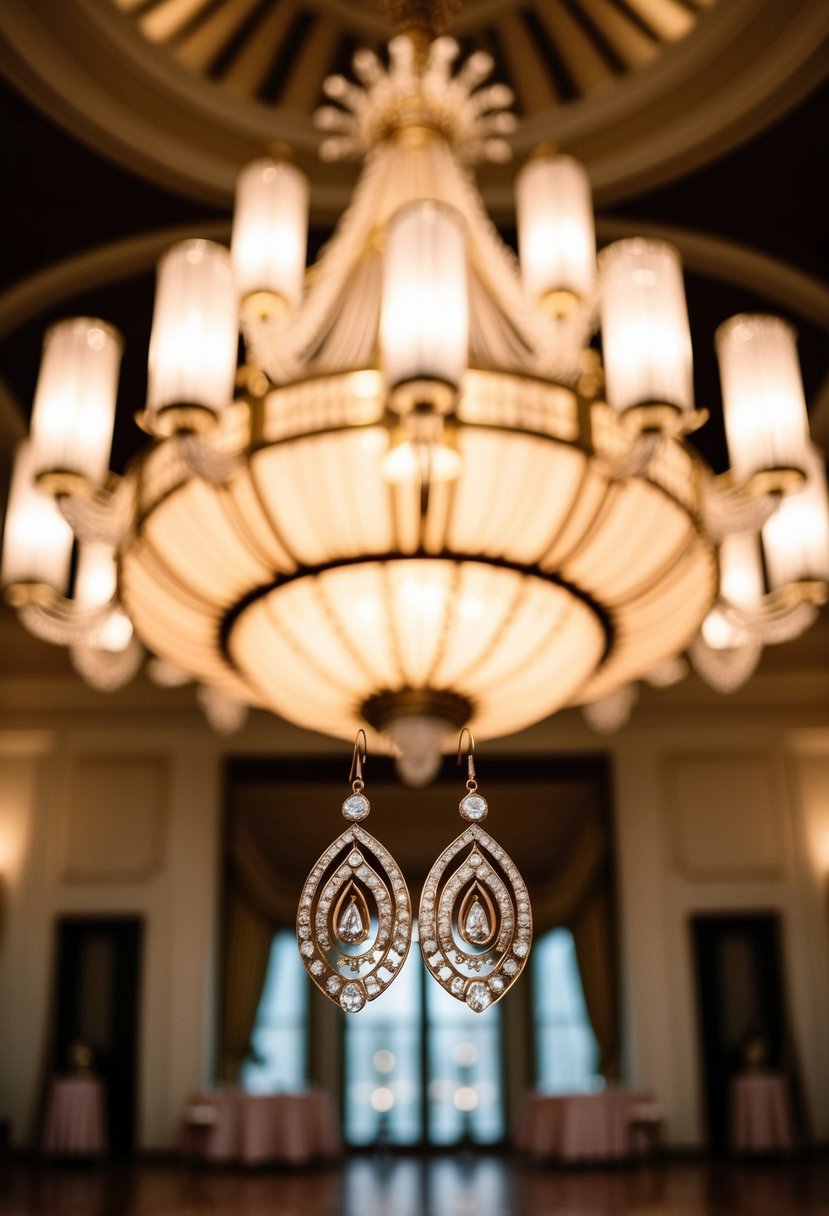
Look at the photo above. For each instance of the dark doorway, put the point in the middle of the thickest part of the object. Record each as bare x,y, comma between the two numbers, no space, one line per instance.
739,987
98,964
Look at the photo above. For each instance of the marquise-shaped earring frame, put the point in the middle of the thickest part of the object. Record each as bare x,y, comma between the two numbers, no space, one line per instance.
478,977
356,862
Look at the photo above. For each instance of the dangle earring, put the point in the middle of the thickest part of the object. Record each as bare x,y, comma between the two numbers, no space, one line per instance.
354,913
475,921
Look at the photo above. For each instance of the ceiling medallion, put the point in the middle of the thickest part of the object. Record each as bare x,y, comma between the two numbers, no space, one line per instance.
424,502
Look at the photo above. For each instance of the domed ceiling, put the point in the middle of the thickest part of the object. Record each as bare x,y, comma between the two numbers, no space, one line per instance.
186,91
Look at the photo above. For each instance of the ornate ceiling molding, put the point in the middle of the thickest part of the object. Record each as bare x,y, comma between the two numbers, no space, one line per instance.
742,66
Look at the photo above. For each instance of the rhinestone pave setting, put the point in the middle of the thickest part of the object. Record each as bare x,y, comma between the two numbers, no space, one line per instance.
473,883
354,921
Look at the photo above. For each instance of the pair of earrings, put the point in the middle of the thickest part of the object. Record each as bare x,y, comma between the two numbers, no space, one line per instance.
354,923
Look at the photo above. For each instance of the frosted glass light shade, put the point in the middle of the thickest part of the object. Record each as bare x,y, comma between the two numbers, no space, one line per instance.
96,577
796,536
556,235
424,331
74,405
741,570
270,230
194,338
645,334
765,410
37,542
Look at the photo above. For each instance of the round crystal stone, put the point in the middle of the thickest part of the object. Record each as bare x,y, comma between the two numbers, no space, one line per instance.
520,948
316,967
477,997
510,967
473,807
333,985
430,946
496,983
307,949
458,986
355,858
356,806
352,998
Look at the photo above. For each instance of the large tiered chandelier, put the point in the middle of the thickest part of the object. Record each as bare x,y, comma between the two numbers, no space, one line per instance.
423,501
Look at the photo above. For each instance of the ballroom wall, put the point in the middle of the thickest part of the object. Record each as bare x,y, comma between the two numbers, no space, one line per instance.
115,807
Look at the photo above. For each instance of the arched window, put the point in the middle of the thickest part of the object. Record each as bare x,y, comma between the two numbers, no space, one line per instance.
566,1049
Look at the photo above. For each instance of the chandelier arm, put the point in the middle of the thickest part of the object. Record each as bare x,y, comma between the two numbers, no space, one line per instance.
776,619
727,509
61,621
612,711
106,515
203,459
107,670
725,670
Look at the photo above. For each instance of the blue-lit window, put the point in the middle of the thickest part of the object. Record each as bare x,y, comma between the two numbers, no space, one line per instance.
566,1048
384,1067
464,1061
382,1063
279,1041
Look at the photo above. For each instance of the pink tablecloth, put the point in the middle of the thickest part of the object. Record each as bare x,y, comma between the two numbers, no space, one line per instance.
258,1128
760,1115
579,1127
74,1123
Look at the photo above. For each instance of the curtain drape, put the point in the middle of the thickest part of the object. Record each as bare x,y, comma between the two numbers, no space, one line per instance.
248,937
593,937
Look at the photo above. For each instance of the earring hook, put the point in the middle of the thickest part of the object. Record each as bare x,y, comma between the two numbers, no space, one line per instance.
470,752
358,759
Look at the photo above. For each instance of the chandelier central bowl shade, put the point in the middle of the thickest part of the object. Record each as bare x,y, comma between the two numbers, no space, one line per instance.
312,585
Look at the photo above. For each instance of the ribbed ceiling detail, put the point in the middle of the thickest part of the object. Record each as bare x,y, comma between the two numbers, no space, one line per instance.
278,52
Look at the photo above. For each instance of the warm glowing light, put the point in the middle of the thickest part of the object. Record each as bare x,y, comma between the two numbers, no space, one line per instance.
645,334
382,1099
194,338
465,1098
465,1055
741,570
270,230
95,585
796,537
37,541
74,405
384,1061
765,410
424,333
556,237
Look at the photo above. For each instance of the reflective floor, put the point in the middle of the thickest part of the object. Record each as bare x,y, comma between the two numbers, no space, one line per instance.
450,1186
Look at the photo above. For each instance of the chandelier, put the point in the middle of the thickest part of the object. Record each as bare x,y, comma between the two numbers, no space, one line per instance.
424,500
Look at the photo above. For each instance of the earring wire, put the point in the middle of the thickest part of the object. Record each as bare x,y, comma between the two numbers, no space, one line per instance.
471,783
358,759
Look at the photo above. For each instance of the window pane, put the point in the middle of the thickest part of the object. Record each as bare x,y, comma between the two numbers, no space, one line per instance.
280,1039
566,1047
382,1063
464,1095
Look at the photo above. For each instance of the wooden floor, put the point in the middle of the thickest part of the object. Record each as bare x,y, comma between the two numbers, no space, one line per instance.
449,1186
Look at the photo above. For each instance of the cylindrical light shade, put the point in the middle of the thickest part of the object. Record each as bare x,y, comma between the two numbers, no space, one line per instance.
96,583
194,338
741,570
37,543
765,410
556,237
96,577
796,536
270,230
74,407
425,317
645,333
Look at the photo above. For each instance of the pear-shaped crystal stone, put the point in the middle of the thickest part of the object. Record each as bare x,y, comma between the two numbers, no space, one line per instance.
477,928
351,927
